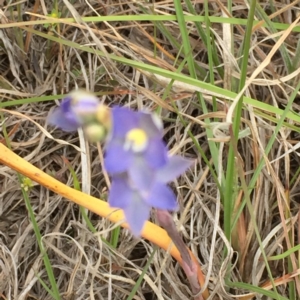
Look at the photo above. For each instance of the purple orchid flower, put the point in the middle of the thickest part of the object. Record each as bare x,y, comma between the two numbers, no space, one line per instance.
138,162
77,109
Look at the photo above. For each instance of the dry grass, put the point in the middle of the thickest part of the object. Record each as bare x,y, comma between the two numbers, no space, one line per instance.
84,266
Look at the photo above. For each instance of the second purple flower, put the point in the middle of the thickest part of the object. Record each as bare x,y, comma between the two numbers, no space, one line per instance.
138,162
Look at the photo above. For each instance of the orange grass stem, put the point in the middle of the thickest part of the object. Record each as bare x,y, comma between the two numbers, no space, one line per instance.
151,232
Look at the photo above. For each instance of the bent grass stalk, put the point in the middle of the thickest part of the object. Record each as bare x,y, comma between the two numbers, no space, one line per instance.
151,232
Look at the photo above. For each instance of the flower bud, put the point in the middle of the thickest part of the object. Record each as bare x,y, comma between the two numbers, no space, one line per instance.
95,132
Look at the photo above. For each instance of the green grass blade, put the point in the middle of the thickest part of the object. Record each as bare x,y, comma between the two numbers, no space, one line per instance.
141,277
285,254
55,291
188,51
255,289
153,18
272,28
230,172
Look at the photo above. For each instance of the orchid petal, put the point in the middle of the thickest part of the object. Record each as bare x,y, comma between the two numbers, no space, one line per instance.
117,160
141,174
151,124
58,118
123,120
66,104
85,103
137,213
176,166
156,153
120,194
162,197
